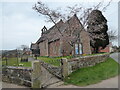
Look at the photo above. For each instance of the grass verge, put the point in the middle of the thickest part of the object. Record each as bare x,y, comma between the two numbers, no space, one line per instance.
94,74
13,62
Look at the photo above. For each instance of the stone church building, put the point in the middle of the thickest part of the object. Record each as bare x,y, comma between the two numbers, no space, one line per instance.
63,39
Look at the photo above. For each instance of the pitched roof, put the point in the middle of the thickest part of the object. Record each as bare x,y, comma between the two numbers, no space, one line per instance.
34,46
54,34
51,33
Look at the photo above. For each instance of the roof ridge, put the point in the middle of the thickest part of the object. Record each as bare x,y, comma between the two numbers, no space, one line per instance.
57,23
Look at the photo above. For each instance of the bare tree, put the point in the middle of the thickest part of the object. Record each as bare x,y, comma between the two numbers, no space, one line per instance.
23,47
55,15
21,50
84,12
112,35
51,15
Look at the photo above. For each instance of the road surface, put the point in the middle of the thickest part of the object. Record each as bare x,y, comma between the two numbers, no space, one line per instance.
9,85
115,56
109,83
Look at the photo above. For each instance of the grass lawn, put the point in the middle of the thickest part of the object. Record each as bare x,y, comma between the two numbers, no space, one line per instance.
13,62
94,74
53,60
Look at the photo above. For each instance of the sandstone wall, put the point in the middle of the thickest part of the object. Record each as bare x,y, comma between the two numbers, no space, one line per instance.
17,75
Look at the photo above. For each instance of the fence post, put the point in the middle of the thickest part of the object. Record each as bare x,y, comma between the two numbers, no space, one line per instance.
36,79
65,67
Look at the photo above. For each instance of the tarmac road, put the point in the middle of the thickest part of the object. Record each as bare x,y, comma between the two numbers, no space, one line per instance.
115,56
9,85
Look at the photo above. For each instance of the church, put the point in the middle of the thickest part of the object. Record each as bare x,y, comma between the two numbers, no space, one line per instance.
63,39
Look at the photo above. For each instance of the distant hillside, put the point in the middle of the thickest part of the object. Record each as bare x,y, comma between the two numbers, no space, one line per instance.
3,51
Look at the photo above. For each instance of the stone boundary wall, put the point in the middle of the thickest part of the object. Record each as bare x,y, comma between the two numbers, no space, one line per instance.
17,75
32,76
85,61
70,65
52,69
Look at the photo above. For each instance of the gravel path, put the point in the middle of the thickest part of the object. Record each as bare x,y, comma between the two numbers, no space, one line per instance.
30,59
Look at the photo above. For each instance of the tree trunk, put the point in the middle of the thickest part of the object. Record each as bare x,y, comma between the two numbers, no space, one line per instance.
95,50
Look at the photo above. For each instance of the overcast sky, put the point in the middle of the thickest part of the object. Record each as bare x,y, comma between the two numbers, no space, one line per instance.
21,25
